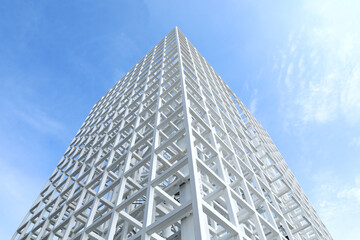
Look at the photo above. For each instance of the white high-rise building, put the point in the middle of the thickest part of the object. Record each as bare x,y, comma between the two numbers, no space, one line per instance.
171,153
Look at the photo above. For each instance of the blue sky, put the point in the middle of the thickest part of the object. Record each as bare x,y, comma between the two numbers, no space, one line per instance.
295,65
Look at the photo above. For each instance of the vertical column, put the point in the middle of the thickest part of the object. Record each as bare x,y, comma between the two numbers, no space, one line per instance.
198,218
150,193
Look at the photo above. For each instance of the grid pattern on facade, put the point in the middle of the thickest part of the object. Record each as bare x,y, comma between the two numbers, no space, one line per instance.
171,153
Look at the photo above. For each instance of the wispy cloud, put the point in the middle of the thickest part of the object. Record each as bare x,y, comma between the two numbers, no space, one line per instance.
351,192
320,68
37,119
18,190
355,142
338,203
254,101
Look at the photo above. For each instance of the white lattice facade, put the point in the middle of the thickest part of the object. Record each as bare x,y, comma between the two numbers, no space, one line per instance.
171,153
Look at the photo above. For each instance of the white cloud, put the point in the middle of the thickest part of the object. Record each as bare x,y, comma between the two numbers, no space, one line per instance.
355,142
18,191
338,204
320,67
254,101
36,118
288,77
15,184
351,193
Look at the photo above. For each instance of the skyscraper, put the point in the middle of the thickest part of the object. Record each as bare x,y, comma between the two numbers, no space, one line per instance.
171,153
